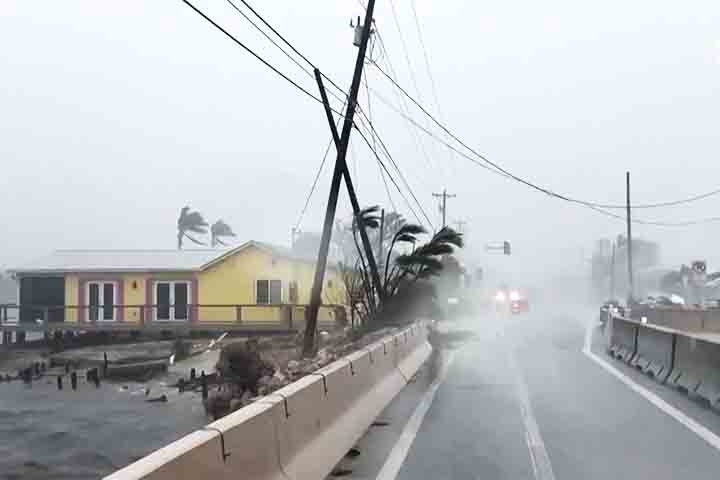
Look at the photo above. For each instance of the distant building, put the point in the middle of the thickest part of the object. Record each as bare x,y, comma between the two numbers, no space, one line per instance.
254,282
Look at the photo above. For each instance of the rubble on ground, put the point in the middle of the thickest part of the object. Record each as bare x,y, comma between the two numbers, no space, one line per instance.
253,368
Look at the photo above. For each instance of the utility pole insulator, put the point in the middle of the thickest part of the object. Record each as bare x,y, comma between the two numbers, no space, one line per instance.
357,40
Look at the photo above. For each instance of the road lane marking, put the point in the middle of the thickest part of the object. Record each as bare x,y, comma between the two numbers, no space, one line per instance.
695,427
539,458
398,454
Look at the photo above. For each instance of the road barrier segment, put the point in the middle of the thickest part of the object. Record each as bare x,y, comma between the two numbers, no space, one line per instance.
298,432
654,353
686,360
623,339
697,369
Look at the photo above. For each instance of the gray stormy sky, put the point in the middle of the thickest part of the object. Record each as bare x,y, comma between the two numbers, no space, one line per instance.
116,114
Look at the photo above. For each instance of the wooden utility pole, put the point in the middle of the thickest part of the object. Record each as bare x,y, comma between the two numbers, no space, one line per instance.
340,170
443,206
631,290
381,237
612,272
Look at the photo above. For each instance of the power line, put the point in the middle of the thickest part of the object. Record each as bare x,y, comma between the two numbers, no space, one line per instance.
369,118
397,168
292,59
520,179
419,145
258,57
433,88
315,181
382,164
281,37
314,185
502,174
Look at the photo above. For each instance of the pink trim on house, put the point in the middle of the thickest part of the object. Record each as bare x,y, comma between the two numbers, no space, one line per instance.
120,312
195,299
147,315
81,312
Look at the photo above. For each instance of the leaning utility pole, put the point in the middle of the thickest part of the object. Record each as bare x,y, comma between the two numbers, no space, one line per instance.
612,272
381,237
341,143
444,195
629,237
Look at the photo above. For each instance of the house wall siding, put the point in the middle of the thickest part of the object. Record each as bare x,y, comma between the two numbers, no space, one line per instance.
231,281
72,297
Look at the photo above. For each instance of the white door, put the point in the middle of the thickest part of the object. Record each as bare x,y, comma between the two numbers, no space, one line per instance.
101,301
172,301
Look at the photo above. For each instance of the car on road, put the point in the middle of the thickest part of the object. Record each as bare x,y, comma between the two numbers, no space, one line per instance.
511,299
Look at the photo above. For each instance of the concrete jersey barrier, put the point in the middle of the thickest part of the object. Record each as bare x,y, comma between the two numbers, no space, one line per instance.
697,369
300,431
686,360
654,355
622,338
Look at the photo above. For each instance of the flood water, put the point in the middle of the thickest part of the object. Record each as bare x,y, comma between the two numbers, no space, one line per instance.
88,433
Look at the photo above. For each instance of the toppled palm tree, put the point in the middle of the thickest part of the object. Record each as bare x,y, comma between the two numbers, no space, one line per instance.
218,230
190,221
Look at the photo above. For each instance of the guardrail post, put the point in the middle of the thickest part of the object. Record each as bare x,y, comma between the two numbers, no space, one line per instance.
288,312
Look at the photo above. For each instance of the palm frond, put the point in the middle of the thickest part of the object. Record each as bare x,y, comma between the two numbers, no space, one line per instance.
434,249
194,240
411,229
414,260
448,235
221,229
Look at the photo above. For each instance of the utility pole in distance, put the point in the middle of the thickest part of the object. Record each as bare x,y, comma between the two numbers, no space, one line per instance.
631,292
339,171
443,206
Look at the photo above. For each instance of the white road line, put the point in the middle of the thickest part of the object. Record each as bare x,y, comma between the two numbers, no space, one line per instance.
539,458
698,429
398,454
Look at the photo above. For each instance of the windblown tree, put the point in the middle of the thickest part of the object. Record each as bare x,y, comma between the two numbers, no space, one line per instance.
218,231
406,270
190,222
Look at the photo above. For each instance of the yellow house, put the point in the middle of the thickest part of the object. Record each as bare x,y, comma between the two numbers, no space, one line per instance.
254,282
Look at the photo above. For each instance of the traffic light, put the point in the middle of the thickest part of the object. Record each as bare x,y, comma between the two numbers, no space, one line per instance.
506,247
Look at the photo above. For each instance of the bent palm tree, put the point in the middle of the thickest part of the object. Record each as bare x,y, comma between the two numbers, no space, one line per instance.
190,221
218,230
423,262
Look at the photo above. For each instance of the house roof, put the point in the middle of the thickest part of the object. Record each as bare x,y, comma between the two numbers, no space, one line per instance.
62,261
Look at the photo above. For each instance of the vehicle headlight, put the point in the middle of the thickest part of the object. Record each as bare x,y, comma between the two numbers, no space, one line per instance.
500,297
514,296
615,310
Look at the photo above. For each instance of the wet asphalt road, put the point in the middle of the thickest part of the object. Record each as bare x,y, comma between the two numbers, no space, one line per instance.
521,401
